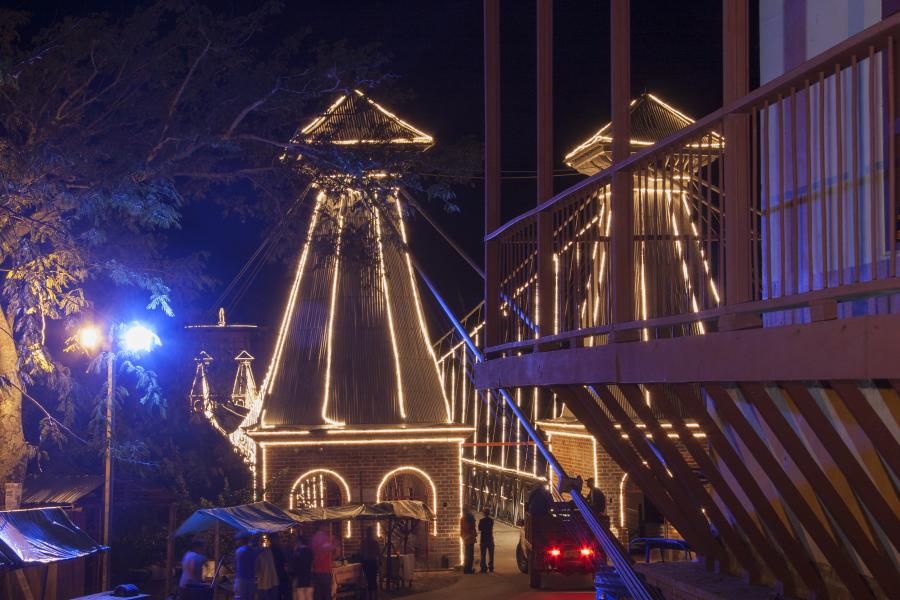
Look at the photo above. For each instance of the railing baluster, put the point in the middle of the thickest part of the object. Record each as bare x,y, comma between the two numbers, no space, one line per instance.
839,150
854,173
767,213
782,200
873,187
823,183
795,200
809,194
892,157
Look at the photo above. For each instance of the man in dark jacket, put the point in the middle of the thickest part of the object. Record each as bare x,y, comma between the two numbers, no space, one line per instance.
486,529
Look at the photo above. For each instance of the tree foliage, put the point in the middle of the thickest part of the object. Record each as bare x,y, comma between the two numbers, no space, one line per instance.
109,126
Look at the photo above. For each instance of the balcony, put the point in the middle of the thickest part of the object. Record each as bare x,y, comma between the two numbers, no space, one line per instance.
767,228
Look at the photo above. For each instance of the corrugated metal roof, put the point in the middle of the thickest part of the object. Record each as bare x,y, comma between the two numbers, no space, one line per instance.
355,349
355,118
50,489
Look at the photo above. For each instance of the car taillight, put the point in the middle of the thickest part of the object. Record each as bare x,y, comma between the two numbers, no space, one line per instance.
554,552
587,551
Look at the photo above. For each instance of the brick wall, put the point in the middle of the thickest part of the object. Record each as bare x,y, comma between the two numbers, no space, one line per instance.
363,467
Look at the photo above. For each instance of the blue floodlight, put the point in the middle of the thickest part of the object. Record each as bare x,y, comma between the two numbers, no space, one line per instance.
138,338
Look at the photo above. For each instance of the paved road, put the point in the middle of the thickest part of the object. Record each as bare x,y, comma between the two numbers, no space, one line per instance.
507,583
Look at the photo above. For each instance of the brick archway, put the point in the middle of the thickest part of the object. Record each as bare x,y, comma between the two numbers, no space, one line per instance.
318,488
409,483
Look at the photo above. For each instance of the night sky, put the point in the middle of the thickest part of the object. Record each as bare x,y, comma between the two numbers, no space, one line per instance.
437,54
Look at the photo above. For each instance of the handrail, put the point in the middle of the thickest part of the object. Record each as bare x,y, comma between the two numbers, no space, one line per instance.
839,54
846,293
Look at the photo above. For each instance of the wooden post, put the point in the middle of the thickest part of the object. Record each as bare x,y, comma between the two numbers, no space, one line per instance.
545,283
170,552
736,84
491,169
622,202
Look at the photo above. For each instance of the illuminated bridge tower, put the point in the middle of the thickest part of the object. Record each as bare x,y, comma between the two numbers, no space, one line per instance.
352,407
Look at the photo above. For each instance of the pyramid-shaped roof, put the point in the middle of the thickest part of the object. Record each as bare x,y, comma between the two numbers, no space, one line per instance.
652,120
354,118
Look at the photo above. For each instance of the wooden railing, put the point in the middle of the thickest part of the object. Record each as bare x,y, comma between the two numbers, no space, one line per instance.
819,204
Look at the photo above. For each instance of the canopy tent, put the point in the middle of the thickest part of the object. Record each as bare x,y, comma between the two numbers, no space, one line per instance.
259,517
41,536
391,509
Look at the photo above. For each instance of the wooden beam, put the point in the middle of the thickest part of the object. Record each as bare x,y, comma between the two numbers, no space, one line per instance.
878,564
586,410
836,555
790,546
688,479
874,427
736,128
768,552
491,168
857,348
622,201
689,506
545,280
860,482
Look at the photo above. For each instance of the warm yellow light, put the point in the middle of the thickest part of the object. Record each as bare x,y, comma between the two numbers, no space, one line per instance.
331,473
421,473
423,328
330,337
390,314
89,337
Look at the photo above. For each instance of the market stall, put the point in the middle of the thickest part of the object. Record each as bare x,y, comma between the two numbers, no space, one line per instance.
400,518
33,544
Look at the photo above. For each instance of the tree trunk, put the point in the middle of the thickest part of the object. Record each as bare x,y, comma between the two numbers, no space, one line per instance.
13,450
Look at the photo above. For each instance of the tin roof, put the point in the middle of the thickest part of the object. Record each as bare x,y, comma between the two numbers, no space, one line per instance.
50,489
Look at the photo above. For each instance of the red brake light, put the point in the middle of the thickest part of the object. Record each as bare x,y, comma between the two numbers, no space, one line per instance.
587,551
554,552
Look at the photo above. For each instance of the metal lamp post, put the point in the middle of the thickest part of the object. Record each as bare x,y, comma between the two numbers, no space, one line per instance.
135,338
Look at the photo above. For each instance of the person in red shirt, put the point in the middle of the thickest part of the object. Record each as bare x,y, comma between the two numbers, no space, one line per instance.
321,568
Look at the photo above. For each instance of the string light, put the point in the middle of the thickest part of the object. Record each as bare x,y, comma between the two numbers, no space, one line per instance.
422,326
331,312
390,315
320,472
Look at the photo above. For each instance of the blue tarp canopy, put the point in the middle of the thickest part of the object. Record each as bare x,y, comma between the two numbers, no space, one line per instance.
259,517
40,536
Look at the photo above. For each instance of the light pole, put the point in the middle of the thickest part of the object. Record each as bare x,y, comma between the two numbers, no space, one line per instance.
133,339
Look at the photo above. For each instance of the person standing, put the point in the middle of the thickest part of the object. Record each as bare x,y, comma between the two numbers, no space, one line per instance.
266,574
486,529
596,499
321,568
468,534
244,568
192,566
284,581
370,552
301,569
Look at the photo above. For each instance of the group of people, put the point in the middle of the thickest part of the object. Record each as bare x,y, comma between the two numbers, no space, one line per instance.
267,572
469,532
